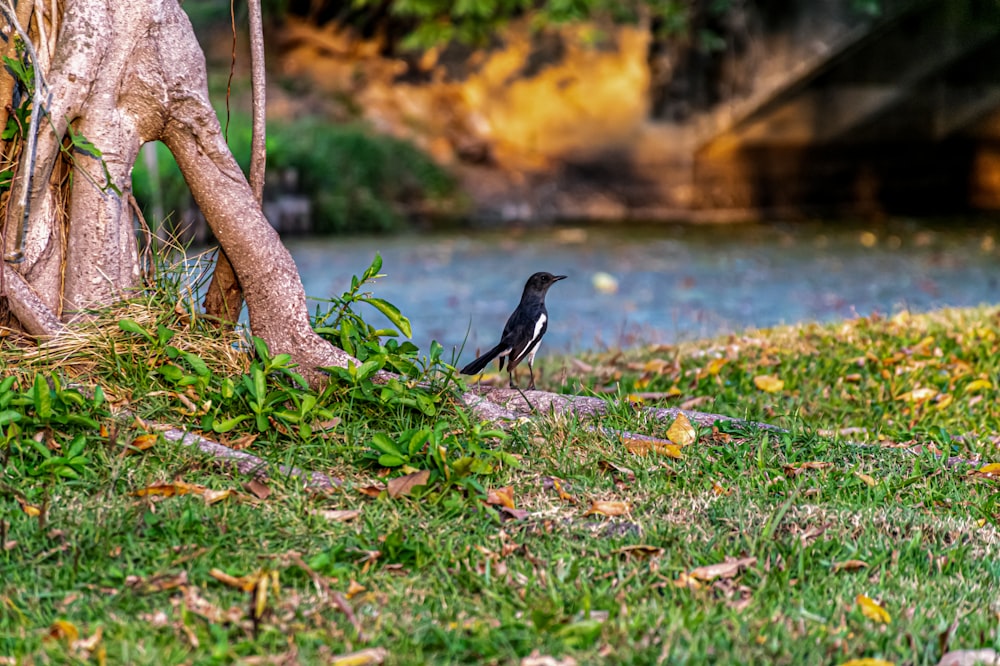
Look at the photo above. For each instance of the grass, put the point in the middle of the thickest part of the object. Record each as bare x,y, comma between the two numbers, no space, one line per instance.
92,571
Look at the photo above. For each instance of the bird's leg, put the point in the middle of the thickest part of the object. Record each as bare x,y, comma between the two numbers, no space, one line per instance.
510,373
531,371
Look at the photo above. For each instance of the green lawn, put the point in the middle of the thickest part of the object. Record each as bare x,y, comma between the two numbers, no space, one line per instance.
853,497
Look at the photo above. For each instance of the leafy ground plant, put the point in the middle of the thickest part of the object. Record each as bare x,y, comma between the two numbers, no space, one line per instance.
863,527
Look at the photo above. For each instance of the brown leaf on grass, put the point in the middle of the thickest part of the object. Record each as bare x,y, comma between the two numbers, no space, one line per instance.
141,443
85,646
214,496
720,490
639,551
607,508
872,610
642,445
157,583
849,565
199,605
257,488
795,469
681,432
516,514
338,515
366,657
609,466
372,490
727,569
354,588
403,485
867,661
501,496
992,469
242,443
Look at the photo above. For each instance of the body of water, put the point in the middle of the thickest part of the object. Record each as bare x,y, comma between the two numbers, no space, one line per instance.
673,282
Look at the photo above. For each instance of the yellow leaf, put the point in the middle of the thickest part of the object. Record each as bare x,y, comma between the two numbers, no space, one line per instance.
768,383
170,489
213,496
29,509
727,569
716,365
869,481
681,431
873,611
366,657
642,446
143,442
634,398
63,630
943,401
607,508
354,588
978,385
502,496
917,395
992,468
719,490
867,661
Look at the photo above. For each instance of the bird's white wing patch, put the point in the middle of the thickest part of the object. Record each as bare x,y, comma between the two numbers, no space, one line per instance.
539,325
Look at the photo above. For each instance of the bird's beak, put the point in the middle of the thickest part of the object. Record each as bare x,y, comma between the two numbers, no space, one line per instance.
558,277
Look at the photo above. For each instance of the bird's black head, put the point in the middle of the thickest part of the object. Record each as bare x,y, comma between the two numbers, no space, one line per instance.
540,282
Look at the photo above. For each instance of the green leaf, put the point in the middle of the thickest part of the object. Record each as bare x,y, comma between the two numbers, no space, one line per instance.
9,416
130,326
261,348
42,398
98,396
393,314
382,442
229,424
375,267
197,364
390,460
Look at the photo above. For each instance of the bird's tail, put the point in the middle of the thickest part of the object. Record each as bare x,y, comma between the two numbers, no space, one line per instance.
477,366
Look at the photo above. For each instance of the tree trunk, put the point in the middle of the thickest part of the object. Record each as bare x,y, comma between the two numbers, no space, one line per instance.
122,74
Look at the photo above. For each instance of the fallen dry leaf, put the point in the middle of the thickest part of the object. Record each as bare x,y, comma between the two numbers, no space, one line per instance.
867,661
726,569
720,490
338,515
403,485
795,469
366,657
501,497
372,490
872,610
990,469
849,565
62,630
768,383
609,466
642,446
639,551
917,395
29,509
157,583
257,488
607,508
563,495
245,583
170,489
142,443
978,385
214,496
682,432
354,588
869,481
538,659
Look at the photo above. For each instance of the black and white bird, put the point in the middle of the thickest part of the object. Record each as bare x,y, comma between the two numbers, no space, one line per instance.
523,331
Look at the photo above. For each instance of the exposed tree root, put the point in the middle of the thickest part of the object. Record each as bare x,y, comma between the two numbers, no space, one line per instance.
246,463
